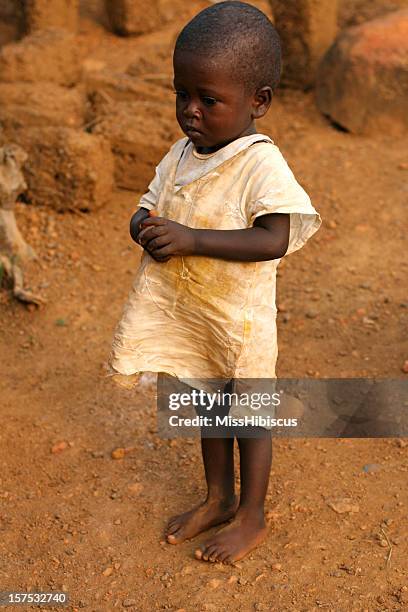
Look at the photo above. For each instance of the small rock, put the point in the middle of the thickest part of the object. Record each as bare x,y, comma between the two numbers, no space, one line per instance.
276,566
214,583
118,453
232,579
312,314
108,571
97,454
371,467
60,446
135,488
402,443
405,367
127,603
341,506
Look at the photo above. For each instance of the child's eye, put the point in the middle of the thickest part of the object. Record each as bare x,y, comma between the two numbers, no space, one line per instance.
209,101
181,94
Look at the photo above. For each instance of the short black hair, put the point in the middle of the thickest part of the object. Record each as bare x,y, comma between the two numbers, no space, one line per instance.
240,33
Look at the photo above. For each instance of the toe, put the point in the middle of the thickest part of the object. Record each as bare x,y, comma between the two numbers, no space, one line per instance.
222,555
198,553
209,551
172,528
213,557
176,537
171,539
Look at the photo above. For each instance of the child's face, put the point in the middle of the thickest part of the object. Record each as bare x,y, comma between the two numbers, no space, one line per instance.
211,102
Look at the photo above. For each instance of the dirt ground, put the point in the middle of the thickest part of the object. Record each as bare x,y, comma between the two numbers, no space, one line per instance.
74,518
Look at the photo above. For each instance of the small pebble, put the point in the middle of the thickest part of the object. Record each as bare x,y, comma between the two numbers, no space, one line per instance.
59,447
97,454
232,579
371,467
118,453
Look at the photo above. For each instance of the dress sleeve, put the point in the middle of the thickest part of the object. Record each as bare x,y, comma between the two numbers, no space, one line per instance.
149,199
274,189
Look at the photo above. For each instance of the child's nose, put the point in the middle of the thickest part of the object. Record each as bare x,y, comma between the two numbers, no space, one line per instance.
191,109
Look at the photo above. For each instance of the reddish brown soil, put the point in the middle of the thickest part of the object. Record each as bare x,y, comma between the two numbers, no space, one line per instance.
79,520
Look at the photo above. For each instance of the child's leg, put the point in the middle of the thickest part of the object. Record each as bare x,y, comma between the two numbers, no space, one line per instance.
248,528
220,504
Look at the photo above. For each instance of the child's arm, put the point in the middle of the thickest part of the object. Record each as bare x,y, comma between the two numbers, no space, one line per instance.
267,239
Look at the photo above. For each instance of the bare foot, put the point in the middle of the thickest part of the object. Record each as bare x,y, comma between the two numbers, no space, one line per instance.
206,515
233,542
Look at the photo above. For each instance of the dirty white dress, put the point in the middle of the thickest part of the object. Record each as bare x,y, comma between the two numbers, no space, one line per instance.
202,318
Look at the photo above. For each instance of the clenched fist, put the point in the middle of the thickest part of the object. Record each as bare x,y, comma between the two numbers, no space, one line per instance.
163,238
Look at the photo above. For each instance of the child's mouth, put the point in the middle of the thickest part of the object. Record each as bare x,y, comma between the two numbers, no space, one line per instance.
190,131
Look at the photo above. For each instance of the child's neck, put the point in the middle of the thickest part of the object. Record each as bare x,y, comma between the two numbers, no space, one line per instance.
213,149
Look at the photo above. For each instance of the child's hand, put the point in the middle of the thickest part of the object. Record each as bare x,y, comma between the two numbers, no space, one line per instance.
163,238
135,222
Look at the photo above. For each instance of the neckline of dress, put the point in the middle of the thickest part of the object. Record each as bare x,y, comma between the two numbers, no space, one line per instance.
208,155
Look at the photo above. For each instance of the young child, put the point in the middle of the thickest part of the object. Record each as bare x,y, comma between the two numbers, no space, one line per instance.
228,207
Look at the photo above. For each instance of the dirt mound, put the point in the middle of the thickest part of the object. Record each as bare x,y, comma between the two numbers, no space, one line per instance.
47,55
49,105
67,169
140,134
63,14
363,79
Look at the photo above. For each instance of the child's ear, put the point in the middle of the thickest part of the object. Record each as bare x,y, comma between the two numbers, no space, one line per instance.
261,102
